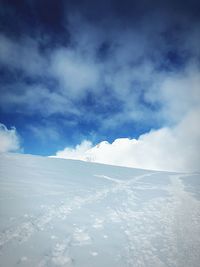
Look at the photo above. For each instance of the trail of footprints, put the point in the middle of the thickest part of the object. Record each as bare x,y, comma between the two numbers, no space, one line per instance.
145,246
23,232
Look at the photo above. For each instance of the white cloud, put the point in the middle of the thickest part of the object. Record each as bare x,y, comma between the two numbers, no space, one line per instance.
35,99
23,54
175,149
79,152
9,139
75,72
178,93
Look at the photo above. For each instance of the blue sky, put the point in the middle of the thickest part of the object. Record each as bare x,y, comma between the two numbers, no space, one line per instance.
73,72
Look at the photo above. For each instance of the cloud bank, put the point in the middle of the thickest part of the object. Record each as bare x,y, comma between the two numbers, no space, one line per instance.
174,149
9,139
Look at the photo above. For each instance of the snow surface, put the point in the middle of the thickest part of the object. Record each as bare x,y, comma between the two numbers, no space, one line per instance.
56,212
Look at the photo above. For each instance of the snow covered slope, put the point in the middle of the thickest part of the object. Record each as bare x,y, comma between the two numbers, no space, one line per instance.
56,212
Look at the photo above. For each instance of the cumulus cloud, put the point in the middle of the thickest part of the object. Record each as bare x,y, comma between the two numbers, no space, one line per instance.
9,139
175,149
81,152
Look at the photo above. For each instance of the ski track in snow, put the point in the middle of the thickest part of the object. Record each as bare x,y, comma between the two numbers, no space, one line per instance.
162,232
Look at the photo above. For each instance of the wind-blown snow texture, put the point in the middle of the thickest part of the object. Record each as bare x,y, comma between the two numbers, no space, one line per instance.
56,212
